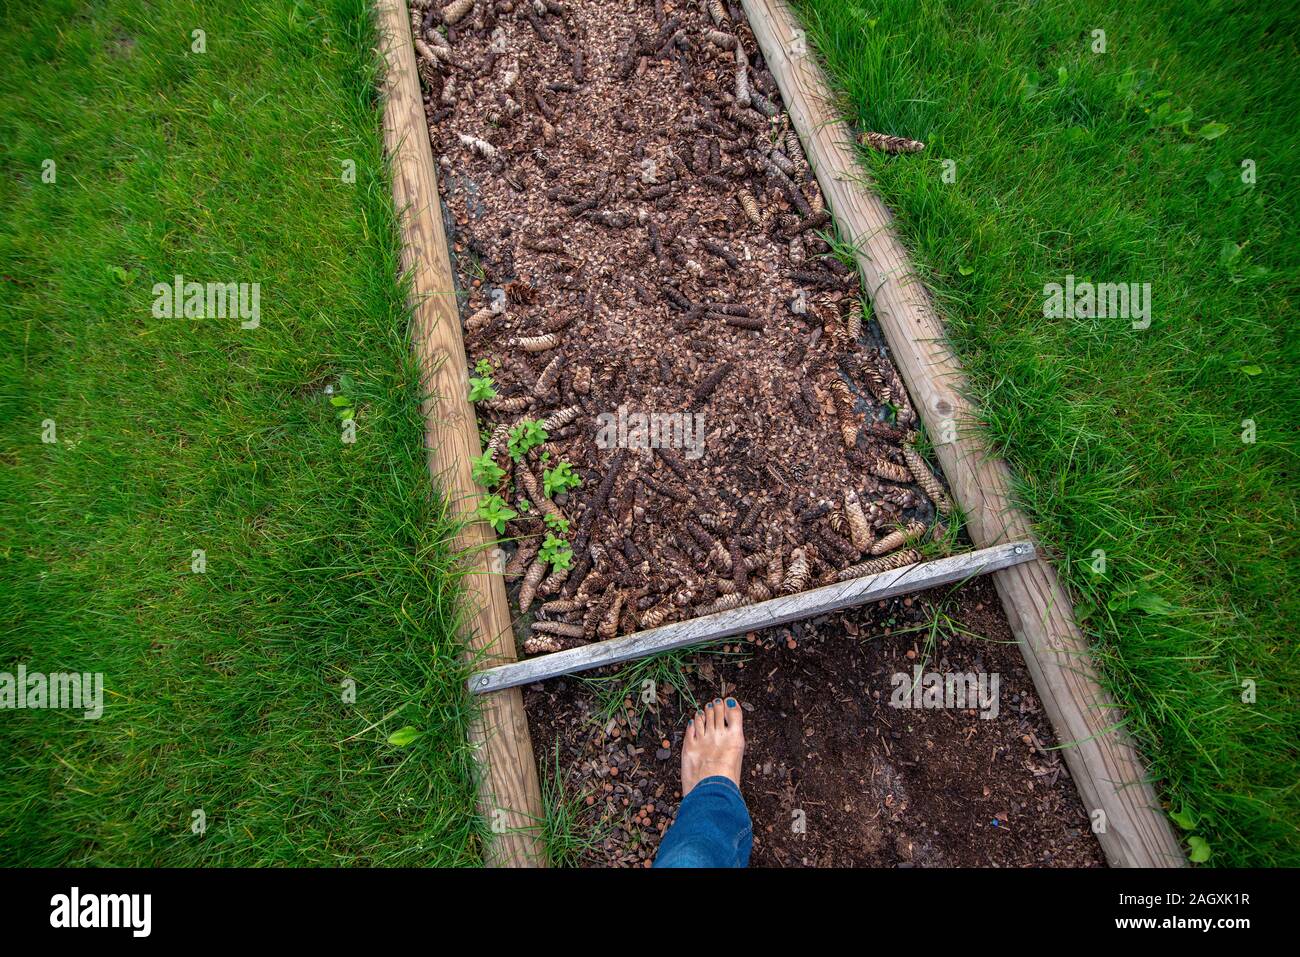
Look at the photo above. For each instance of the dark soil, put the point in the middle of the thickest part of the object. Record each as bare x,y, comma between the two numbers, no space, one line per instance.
877,786
631,238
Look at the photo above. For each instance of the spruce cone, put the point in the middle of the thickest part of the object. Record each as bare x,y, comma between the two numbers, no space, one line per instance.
609,624
859,528
885,143
536,343
541,645
558,628
874,566
516,404
656,616
897,539
524,554
456,10
927,480
889,470
855,322
562,606
724,603
532,578
796,576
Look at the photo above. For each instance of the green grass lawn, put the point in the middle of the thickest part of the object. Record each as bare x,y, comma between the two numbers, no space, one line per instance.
1125,166
326,562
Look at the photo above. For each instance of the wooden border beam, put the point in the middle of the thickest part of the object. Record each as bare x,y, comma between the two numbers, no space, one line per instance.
1100,756
509,796
763,614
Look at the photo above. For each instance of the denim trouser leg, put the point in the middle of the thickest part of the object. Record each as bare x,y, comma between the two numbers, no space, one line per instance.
712,828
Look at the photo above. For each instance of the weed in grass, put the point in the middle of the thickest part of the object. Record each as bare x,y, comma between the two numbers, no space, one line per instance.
940,623
570,828
644,680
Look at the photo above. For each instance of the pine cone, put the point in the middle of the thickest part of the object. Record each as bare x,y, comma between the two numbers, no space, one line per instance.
796,576
557,628
532,578
874,566
541,644
927,480
890,144
859,529
897,539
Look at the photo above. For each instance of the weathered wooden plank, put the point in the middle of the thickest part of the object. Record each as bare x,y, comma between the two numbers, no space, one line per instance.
1100,756
509,796
765,614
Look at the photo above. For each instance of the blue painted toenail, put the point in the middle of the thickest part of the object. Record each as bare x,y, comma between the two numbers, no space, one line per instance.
731,702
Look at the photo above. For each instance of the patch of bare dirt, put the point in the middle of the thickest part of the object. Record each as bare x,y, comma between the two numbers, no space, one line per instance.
835,775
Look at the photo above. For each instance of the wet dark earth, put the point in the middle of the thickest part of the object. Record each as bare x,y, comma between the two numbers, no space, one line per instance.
836,776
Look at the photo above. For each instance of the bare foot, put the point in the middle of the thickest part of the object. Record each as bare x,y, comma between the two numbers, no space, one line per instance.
715,744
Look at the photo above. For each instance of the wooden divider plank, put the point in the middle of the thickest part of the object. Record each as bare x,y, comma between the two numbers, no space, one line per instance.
1100,756
509,796
763,614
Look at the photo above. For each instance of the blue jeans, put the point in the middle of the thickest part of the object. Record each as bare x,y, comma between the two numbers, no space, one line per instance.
712,828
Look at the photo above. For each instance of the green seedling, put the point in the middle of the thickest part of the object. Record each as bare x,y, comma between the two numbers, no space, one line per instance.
493,510
528,434
481,388
556,552
559,479
486,472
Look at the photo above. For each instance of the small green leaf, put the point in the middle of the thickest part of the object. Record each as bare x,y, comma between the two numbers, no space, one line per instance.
1229,252
559,479
1200,850
493,510
1212,131
1185,819
481,388
1251,370
966,270
340,400
1140,600
557,552
527,434
485,470
1061,75
1078,136
404,736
